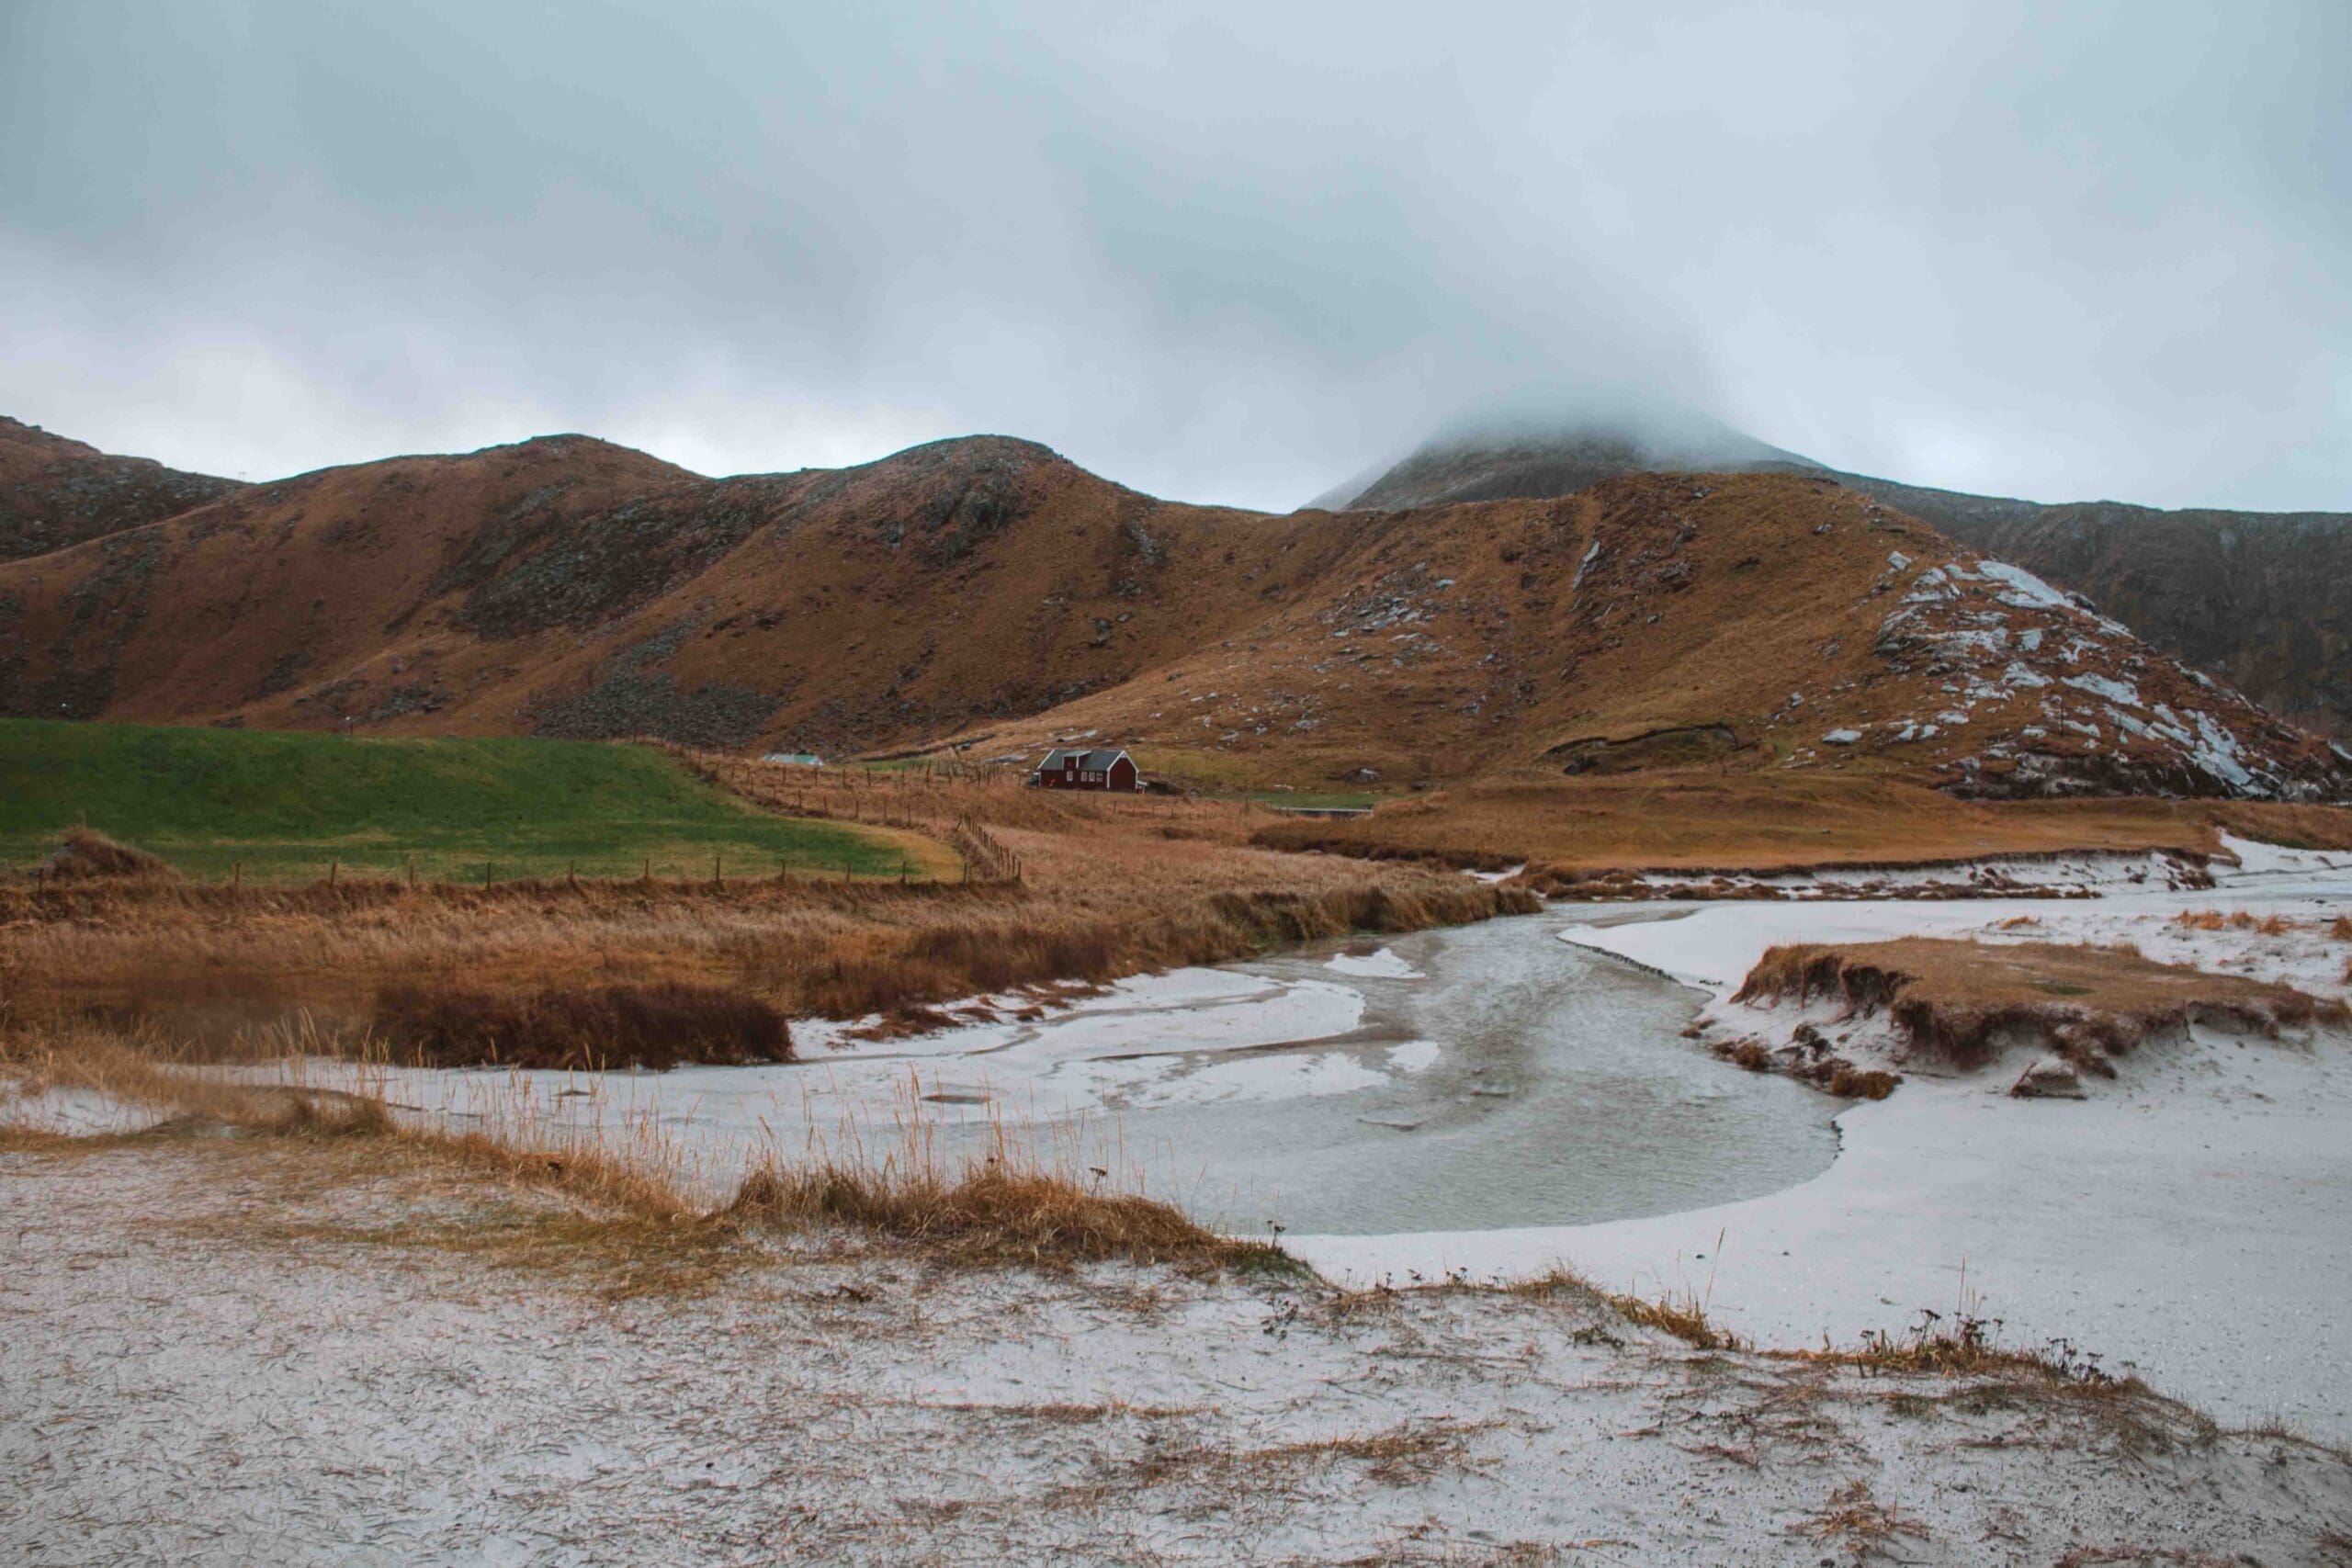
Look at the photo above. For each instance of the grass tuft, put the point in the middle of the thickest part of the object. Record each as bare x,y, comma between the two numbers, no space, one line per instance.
1859,1522
1684,1314
1005,1207
87,855
1966,1344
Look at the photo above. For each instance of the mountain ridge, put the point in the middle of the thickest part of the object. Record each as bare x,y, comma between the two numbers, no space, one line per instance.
984,592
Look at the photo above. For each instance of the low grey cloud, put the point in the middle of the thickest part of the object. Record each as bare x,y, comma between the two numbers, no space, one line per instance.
1222,252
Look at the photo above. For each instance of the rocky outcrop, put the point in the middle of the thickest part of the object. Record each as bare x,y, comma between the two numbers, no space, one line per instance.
55,493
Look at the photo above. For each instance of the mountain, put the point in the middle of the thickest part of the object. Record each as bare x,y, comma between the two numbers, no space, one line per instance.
55,492
571,587
2264,599
1523,458
989,594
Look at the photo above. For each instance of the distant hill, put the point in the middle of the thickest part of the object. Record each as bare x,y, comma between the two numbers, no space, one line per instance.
55,492
986,593
2263,598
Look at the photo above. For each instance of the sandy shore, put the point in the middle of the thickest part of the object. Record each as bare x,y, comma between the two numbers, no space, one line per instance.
258,1351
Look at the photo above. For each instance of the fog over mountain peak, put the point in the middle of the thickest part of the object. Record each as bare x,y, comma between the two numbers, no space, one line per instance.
1556,442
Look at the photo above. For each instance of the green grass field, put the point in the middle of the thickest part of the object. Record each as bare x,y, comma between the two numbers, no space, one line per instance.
1312,800
284,805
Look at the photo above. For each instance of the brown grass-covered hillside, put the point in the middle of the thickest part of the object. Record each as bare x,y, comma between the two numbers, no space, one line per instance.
986,593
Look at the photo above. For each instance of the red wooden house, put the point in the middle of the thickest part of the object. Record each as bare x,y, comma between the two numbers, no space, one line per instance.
1102,768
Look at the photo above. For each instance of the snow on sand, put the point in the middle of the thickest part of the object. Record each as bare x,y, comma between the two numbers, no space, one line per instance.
234,1353
2189,1221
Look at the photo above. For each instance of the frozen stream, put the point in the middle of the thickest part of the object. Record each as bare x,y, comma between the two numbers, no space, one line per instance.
2188,1221
1499,1086
1477,1077
1499,1097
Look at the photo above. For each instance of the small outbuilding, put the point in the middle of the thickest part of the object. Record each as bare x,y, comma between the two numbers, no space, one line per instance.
794,758
1102,767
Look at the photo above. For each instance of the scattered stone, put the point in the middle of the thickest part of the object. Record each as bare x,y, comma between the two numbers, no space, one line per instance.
2049,1077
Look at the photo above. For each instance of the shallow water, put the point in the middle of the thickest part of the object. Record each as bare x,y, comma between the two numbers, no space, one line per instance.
1561,1092
1471,1077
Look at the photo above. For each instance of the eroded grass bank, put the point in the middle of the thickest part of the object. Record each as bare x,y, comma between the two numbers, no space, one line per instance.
1960,1000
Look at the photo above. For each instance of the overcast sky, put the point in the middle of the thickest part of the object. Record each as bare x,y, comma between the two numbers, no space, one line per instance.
1225,252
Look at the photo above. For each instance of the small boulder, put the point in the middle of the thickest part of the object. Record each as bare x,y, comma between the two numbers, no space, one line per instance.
1363,776
2049,1077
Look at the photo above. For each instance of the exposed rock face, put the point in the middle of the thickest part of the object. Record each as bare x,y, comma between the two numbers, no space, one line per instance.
2263,600
2091,709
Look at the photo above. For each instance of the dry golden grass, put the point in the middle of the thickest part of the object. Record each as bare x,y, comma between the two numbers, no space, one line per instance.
998,1211
1965,1344
146,1067
1697,821
1015,1206
1682,1314
2241,920
651,1027
1957,999
1857,1522
1108,888
2341,928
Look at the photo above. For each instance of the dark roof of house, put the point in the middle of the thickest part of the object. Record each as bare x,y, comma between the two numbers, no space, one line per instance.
1098,759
